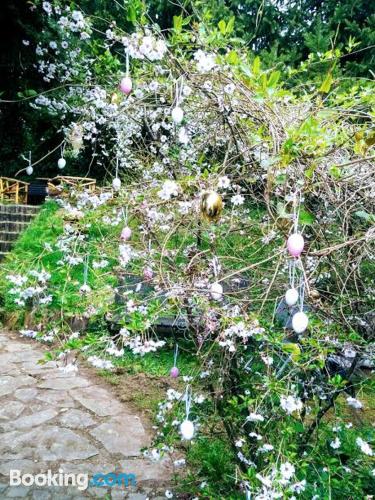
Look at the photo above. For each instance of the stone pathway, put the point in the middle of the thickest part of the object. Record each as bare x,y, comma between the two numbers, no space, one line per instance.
50,420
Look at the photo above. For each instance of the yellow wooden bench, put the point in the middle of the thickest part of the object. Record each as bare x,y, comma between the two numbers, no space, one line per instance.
13,190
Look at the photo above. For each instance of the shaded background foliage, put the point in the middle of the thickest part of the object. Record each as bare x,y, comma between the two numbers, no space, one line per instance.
282,32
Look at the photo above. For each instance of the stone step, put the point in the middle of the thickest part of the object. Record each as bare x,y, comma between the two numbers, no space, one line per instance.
9,235
17,217
28,209
13,226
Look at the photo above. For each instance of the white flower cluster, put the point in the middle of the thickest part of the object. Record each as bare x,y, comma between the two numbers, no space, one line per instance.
205,61
70,243
169,189
102,364
31,334
30,288
278,483
138,345
364,447
239,331
142,46
126,253
291,404
114,351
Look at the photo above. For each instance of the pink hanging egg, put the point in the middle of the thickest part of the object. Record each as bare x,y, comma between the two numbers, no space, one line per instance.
174,373
126,233
148,274
126,85
295,244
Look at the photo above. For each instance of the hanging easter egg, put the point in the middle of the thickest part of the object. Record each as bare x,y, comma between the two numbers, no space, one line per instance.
116,184
126,233
177,115
126,85
295,244
216,291
211,205
187,430
291,297
29,170
61,162
148,273
174,373
300,322
314,294
85,289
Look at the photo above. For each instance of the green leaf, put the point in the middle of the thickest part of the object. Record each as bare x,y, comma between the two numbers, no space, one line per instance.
30,93
273,79
256,65
306,217
293,349
362,214
246,70
131,14
222,26
230,26
327,83
335,172
232,57
177,23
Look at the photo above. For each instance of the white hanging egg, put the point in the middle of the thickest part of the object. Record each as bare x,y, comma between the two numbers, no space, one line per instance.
291,297
300,322
85,289
216,291
177,114
116,184
29,170
61,163
187,430
295,244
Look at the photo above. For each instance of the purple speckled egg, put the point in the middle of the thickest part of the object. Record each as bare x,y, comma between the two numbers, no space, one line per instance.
148,274
174,373
126,233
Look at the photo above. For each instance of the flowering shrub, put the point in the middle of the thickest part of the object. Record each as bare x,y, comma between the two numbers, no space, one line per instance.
215,165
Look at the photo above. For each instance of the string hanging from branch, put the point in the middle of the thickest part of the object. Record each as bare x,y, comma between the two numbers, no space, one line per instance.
126,83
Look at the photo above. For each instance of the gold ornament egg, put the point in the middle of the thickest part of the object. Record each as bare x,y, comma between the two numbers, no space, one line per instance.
115,98
314,294
211,205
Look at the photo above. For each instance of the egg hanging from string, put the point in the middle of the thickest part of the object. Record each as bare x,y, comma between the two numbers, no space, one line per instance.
291,297
295,244
300,322
29,170
116,184
126,85
216,291
187,430
174,373
85,289
211,205
61,162
177,115
126,233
